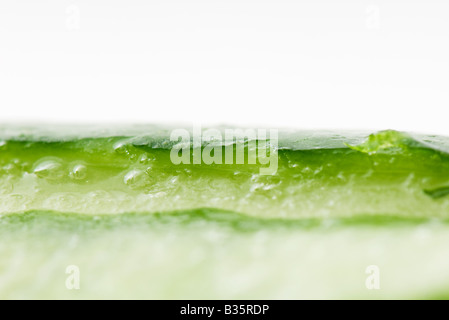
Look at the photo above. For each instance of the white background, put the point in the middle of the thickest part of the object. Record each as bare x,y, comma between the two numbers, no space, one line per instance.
282,63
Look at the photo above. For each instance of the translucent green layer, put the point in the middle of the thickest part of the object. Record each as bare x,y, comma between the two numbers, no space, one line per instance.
317,176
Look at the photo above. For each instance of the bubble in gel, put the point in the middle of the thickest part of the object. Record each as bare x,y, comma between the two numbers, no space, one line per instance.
79,172
121,147
143,158
136,179
49,169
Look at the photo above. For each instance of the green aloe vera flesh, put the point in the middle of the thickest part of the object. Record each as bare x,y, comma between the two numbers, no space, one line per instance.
112,203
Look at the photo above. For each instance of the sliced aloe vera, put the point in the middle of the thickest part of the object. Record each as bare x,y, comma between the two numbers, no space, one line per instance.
138,226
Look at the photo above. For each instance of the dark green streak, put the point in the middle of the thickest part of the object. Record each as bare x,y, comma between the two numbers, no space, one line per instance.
47,220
